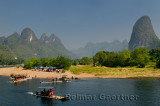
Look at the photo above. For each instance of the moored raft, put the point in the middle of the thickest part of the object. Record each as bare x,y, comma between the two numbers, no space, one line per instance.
19,77
52,81
49,94
54,97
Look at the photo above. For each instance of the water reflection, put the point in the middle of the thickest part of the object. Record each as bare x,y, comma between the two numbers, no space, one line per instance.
148,91
18,84
145,89
47,101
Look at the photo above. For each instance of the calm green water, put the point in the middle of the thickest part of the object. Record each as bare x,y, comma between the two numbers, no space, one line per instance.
84,92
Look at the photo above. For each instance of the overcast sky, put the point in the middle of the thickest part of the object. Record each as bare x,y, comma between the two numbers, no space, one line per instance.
77,22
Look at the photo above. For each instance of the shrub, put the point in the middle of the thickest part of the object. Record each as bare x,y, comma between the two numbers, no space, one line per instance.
141,65
86,61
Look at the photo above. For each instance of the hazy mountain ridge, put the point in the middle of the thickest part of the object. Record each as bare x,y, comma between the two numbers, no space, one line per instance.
6,52
92,48
27,45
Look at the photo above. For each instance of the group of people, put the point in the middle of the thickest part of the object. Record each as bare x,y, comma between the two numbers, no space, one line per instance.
47,70
45,92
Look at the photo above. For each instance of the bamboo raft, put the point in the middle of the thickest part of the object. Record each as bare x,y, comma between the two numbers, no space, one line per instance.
53,97
50,81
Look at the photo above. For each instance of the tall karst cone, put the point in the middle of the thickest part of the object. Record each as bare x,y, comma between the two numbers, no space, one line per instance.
143,35
27,36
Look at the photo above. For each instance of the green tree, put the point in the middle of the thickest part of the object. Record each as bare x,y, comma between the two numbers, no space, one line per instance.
110,59
99,58
45,62
154,54
86,61
139,56
74,63
32,63
123,58
158,63
52,62
64,62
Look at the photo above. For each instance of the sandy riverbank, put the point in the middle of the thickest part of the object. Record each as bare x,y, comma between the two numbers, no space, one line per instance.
125,73
40,74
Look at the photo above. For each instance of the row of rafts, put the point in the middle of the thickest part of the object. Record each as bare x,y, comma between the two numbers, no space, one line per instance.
23,77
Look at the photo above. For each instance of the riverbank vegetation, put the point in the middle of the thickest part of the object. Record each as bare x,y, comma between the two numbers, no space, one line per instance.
116,72
139,57
138,62
53,62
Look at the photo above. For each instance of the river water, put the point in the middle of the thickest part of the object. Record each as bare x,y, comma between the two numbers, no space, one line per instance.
83,92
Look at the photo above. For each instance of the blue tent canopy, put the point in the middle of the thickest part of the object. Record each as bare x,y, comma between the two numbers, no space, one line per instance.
41,67
46,67
52,68
35,67
60,67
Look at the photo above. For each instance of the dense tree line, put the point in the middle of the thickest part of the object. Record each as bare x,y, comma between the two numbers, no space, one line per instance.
53,62
139,57
86,61
155,56
82,61
10,61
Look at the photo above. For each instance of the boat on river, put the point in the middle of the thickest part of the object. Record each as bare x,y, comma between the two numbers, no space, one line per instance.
59,81
19,77
50,81
51,96
62,79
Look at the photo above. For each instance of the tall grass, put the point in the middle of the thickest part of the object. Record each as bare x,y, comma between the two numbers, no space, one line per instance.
120,71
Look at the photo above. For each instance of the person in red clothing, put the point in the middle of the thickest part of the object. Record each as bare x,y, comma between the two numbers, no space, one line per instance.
51,92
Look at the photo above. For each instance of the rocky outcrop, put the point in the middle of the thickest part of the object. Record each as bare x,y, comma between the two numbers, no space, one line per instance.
44,38
143,35
27,36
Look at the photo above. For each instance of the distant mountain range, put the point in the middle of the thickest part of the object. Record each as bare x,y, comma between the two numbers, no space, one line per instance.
143,35
27,45
92,48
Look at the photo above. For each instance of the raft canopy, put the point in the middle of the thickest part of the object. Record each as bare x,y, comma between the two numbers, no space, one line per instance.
21,74
17,76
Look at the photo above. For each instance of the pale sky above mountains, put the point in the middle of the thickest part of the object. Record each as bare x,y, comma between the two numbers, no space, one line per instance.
77,22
